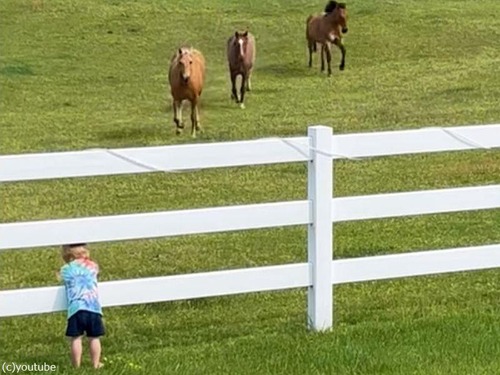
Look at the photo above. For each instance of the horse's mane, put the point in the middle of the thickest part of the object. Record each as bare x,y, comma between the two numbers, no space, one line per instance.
176,55
185,49
330,7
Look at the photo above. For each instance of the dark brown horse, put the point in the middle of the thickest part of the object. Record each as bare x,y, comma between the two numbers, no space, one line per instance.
327,29
186,76
241,59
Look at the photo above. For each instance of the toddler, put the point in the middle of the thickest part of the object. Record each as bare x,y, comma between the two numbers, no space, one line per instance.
79,275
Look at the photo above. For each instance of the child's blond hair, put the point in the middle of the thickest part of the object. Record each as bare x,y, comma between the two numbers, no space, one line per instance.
75,251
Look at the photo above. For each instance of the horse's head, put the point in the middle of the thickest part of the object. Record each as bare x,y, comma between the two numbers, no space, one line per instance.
185,60
241,40
341,11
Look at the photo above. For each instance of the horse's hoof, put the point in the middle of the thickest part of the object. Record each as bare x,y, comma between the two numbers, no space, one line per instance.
341,67
242,106
178,131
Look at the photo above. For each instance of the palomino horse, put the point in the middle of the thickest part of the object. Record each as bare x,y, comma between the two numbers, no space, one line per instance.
241,59
186,76
325,29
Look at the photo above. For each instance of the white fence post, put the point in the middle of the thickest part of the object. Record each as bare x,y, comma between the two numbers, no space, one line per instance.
319,249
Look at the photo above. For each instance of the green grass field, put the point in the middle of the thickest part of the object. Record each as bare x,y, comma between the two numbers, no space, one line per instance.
78,74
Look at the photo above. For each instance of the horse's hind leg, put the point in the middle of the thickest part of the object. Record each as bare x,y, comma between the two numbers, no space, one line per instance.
311,50
178,116
323,57
249,84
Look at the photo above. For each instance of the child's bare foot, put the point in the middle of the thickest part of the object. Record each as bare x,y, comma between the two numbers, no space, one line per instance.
99,365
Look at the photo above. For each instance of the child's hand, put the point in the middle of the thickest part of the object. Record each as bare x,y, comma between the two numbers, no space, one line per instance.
58,276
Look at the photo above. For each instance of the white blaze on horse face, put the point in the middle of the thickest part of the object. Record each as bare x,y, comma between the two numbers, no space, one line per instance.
185,66
184,72
240,42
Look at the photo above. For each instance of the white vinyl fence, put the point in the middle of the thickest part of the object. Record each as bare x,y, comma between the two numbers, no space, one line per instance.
319,149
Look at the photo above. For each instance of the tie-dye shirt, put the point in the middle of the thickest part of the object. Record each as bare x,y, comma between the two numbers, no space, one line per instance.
80,280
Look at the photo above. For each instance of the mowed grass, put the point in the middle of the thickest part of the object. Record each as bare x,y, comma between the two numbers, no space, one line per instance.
81,74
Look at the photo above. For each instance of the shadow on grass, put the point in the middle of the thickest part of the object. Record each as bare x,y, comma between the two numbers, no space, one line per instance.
455,90
285,70
213,103
17,70
137,133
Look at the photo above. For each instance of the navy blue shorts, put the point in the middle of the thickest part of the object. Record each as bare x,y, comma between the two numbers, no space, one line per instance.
85,321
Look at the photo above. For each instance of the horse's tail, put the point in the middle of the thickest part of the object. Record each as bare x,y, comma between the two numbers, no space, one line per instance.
307,33
307,24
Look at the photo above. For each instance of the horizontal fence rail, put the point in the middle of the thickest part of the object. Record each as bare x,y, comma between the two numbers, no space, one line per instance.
258,279
318,149
153,289
151,225
221,219
419,263
413,203
99,162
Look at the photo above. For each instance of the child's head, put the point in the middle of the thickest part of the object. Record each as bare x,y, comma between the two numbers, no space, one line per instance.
75,251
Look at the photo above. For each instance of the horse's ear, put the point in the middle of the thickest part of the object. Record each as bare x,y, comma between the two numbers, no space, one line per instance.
180,51
236,34
245,34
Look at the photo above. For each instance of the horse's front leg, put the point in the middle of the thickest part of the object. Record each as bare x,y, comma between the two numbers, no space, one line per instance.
244,78
178,116
195,118
328,58
234,94
338,43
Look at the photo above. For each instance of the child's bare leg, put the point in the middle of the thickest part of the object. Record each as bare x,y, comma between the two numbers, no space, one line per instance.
95,351
76,351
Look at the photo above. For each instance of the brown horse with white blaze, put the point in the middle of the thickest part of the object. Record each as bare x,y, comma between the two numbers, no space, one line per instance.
326,29
241,59
186,77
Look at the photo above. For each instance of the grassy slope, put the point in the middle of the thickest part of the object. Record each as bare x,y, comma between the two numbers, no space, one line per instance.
81,74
